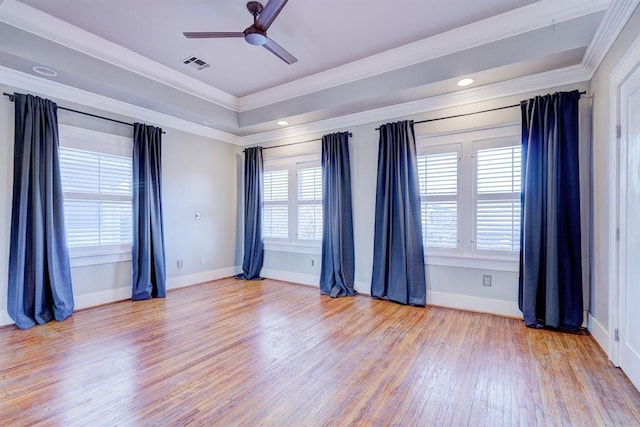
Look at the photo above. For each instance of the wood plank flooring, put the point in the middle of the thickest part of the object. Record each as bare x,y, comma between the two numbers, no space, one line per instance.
270,353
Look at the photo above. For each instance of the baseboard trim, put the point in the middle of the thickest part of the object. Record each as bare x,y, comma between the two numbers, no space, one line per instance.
473,303
288,276
599,333
197,278
4,318
102,297
119,294
363,287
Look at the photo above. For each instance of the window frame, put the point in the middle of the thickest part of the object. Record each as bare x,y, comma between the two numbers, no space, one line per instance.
466,255
482,144
99,142
292,243
436,148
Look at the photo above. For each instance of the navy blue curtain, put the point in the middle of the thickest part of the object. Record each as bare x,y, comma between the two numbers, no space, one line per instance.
149,271
253,246
338,261
398,255
39,286
550,291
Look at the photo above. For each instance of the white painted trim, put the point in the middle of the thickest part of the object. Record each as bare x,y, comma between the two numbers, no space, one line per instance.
288,276
288,247
363,287
103,297
457,301
528,18
197,278
4,318
477,262
473,303
35,21
598,332
59,91
619,75
535,82
518,21
308,279
612,24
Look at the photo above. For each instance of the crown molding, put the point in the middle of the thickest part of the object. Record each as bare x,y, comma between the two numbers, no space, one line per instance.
610,28
42,86
518,21
525,19
35,21
535,82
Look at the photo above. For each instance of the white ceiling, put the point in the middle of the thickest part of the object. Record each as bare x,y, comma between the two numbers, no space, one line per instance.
355,56
321,34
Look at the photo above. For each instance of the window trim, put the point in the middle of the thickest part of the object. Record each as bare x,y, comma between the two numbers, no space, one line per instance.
292,243
91,140
466,255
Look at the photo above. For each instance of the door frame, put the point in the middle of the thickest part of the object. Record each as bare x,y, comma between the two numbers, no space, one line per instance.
617,191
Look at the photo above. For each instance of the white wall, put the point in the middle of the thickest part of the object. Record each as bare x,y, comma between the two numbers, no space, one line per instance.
603,176
446,285
199,175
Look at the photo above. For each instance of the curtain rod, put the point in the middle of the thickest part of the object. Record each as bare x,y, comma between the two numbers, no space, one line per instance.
10,96
470,114
295,143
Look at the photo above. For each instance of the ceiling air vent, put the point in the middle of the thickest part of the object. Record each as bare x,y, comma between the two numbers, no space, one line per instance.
196,63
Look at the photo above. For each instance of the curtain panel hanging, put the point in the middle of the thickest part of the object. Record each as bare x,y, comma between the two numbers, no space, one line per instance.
338,260
550,288
253,246
39,282
398,254
148,254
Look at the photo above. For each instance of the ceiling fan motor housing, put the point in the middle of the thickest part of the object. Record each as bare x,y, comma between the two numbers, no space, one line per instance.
255,36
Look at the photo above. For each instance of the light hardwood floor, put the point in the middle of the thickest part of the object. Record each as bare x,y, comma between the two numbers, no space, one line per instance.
271,353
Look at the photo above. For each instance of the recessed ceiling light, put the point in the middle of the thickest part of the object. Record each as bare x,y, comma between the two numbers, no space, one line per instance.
283,122
208,122
44,71
465,82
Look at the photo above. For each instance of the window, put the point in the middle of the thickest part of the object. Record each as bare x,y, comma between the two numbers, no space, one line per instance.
470,193
309,202
276,204
438,175
497,209
292,211
96,173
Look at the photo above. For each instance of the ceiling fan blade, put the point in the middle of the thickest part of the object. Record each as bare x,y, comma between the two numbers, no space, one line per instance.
212,35
279,51
269,13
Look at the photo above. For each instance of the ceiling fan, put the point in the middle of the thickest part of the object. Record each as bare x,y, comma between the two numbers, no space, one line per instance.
255,34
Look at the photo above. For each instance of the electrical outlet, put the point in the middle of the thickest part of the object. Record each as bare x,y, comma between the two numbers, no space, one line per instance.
203,260
312,262
486,280
179,263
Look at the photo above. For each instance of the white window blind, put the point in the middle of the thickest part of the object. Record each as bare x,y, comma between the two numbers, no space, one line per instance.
97,197
309,203
498,198
438,177
276,204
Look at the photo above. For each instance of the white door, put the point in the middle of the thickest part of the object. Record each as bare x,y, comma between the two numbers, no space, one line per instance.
629,292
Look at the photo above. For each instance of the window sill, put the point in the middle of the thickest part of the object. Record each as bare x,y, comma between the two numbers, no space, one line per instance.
293,248
84,260
480,263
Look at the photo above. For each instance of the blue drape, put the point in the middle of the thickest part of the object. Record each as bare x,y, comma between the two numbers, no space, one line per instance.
398,255
550,291
338,261
148,255
39,285
253,246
